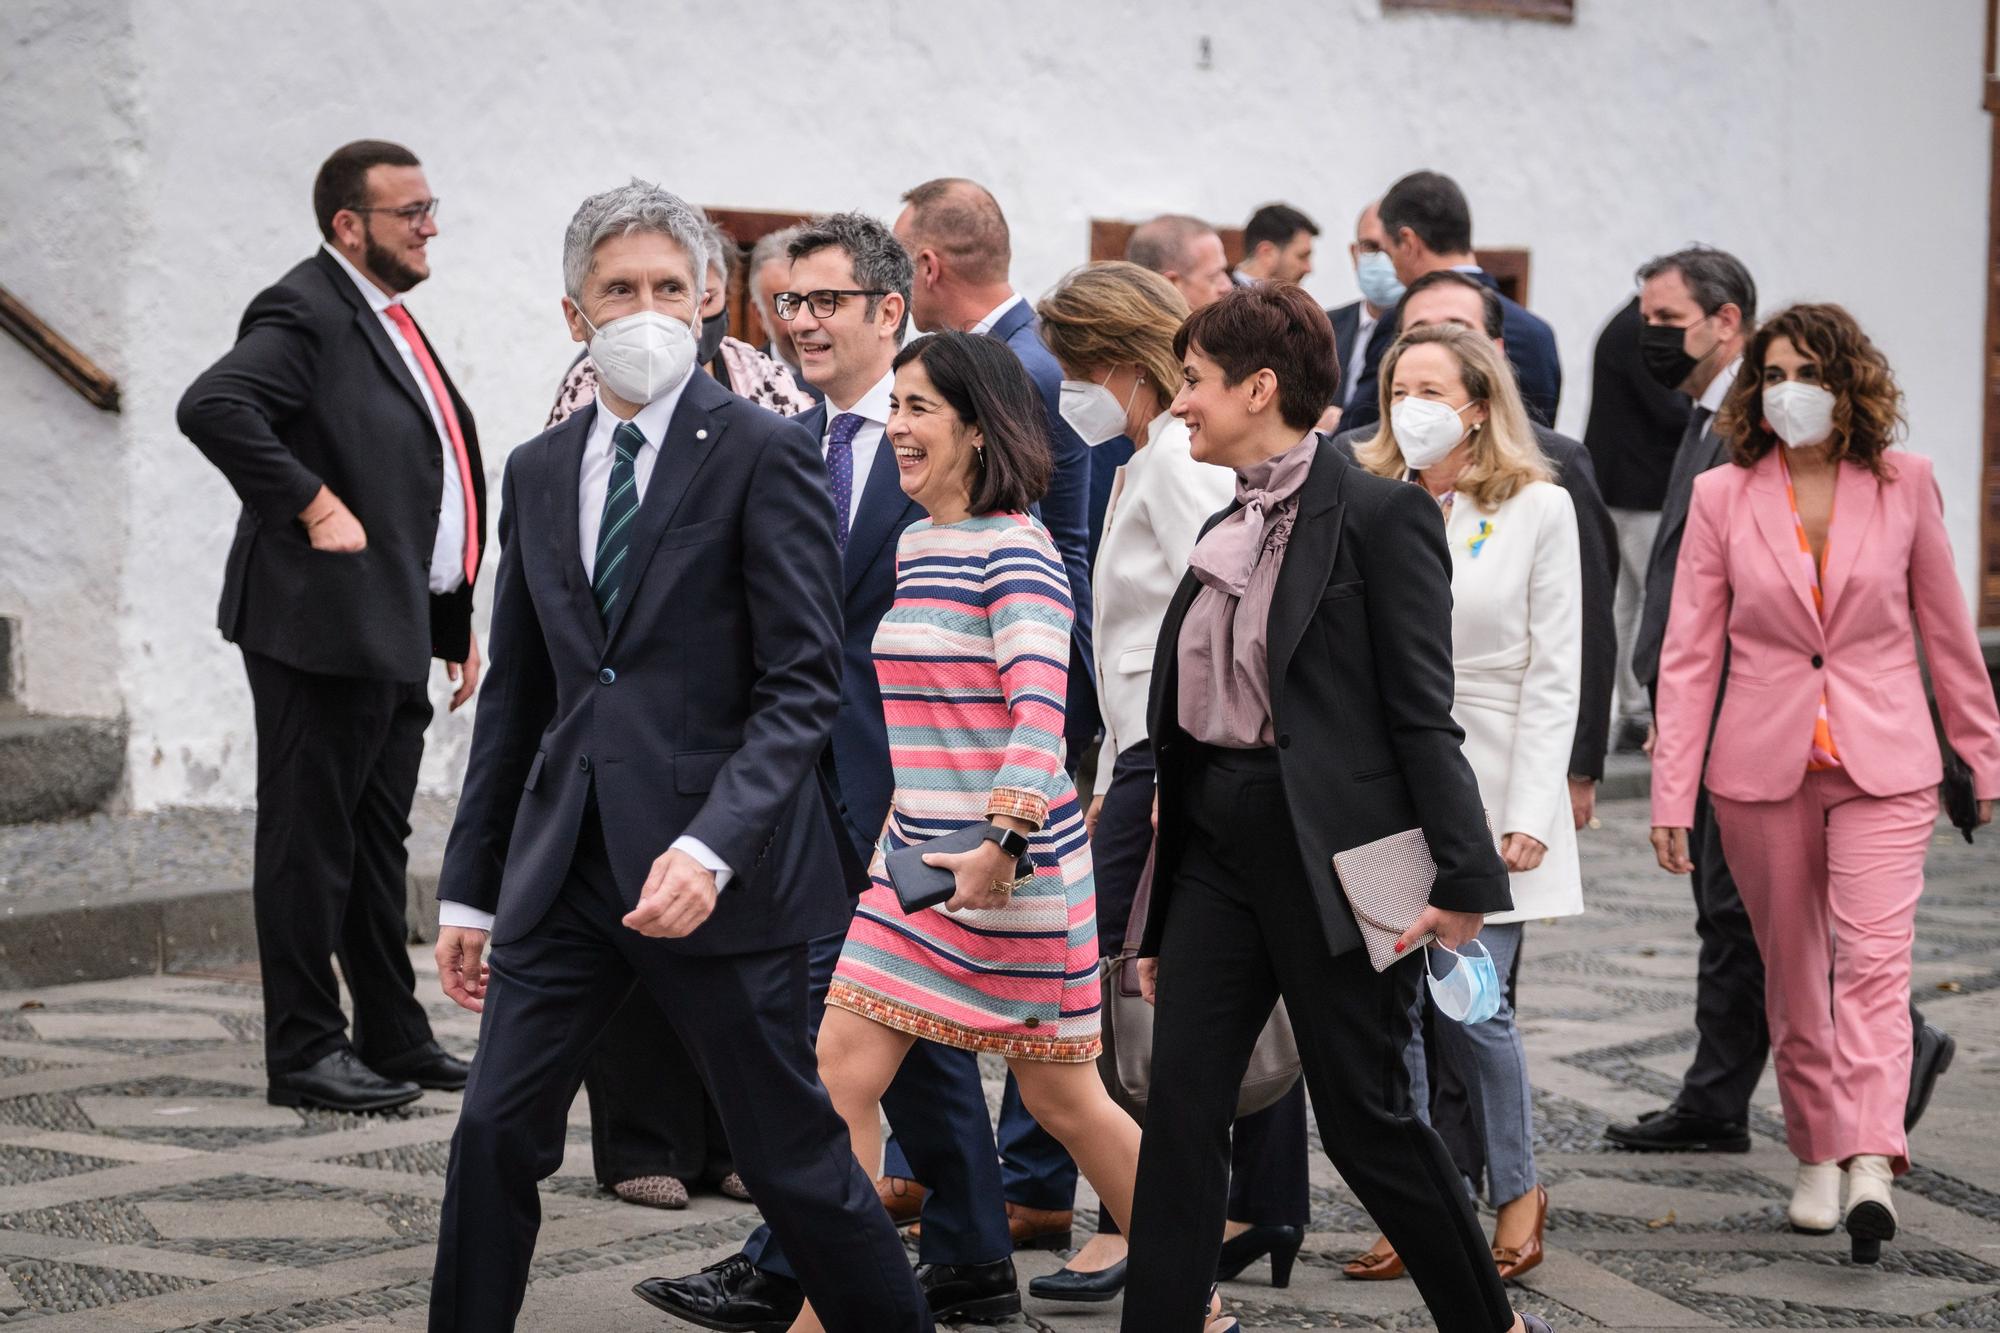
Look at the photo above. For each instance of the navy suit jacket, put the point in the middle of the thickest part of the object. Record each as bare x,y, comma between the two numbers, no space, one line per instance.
702,708
1531,346
1365,407
861,771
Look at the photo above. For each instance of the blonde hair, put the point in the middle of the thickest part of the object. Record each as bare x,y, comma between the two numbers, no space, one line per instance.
1505,454
1116,314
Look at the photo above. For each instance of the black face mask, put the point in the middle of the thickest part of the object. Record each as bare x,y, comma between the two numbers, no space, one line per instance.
713,330
1663,351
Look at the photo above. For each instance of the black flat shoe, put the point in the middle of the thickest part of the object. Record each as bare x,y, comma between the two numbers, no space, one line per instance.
1935,1049
1239,1252
970,1291
338,1081
1675,1130
1069,1285
732,1296
428,1066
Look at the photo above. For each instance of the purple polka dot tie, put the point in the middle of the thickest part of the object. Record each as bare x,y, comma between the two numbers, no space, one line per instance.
840,469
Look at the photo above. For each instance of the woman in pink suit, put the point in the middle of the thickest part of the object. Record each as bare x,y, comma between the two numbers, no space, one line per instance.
1800,570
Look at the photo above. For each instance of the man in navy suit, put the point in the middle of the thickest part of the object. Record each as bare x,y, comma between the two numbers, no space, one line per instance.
844,302
644,799
1429,227
1360,334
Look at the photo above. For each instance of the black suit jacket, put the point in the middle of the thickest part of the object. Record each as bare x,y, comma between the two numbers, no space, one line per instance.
1635,425
1364,408
1597,552
1361,689
313,394
703,708
1531,346
1696,456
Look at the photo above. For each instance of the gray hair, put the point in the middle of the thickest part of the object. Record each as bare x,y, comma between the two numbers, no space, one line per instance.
1714,278
770,246
638,207
880,261
721,251
1163,244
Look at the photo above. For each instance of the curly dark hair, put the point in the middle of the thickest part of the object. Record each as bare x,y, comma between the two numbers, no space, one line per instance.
1867,404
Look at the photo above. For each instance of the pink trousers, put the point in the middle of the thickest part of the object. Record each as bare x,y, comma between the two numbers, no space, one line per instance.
1831,878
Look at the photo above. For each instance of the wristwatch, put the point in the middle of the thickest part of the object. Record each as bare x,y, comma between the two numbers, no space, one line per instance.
1012,841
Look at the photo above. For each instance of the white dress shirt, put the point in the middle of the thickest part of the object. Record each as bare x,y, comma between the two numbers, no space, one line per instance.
993,315
1364,329
1718,388
873,409
447,568
593,479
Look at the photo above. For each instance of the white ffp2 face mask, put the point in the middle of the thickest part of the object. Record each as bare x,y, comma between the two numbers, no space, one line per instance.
1426,430
639,357
1092,412
1800,414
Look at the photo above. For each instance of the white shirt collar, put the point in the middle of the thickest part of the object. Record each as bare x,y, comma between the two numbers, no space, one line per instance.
378,300
1718,388
871,406
651,420
993,315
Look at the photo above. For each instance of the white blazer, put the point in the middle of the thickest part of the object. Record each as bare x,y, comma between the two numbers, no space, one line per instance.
1517,656
1159,500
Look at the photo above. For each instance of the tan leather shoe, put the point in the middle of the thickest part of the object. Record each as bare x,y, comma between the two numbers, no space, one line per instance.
1039,1228
903,1198
1514,1262
1378,1263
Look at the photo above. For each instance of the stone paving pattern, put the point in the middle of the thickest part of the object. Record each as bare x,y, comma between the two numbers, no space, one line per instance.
145,1183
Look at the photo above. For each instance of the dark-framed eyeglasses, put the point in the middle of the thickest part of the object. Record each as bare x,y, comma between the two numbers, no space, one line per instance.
823,302
413,214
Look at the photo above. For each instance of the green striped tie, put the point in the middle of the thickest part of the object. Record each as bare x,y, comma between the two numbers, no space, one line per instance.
614,532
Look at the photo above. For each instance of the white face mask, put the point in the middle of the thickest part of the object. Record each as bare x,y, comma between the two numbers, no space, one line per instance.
1800,414
1092,412
1426,430
639,357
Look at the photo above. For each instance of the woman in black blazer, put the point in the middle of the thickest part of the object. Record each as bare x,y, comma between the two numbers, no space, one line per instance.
1301,705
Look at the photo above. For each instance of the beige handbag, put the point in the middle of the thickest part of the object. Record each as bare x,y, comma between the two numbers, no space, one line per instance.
1128,1029
1388,885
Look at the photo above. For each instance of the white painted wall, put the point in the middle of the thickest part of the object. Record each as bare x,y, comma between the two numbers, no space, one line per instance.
1836,145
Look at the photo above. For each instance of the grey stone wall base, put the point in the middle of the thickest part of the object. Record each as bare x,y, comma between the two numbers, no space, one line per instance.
57,767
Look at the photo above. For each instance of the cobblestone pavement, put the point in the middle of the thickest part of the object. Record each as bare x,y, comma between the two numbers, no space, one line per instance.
145,1184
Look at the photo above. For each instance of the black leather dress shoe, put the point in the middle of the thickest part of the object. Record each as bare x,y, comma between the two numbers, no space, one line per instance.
1674,1130
338,1081
970,1291
428,1066
1069,1285
733,1296
1933,1056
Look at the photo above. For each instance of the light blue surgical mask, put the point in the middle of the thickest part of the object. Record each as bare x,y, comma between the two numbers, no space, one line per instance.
1470,991
1376,273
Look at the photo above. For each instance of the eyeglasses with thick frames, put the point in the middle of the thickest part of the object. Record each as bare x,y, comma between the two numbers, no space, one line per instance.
823,302
413,214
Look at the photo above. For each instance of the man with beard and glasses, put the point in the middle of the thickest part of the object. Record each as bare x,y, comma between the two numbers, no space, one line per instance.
363,524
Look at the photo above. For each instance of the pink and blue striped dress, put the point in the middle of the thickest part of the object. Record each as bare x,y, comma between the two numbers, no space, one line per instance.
974,664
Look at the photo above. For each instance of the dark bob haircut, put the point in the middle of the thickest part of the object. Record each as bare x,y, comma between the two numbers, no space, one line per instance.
986,385
343,178
1271,326
1867,405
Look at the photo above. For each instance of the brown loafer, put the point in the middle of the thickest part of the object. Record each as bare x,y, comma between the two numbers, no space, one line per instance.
1514,1262
1039,1228
903,1198
1379,1263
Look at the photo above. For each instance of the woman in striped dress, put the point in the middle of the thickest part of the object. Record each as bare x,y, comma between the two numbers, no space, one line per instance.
973,660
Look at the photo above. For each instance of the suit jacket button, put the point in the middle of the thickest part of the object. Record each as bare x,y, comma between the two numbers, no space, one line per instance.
1033,1022
583,762
606,676
1818,661
1285,742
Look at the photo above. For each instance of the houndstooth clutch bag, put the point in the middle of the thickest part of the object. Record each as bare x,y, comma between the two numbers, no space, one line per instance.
1388,885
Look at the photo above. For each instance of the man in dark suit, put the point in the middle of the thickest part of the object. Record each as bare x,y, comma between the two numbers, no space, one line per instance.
362,529
1360,334
1429,226
847,347
644,797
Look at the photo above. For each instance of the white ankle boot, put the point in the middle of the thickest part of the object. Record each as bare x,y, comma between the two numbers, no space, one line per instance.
1815,1206
1870,1212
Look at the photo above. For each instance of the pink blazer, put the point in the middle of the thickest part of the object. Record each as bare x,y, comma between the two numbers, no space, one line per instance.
1742,585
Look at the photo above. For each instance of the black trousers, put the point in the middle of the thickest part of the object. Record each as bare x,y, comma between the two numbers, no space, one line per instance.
743,1021
1731,1037
650,1114
337,761
1243,932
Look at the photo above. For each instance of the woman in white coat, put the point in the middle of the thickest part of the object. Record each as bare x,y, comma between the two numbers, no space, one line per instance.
1111,326
1453,423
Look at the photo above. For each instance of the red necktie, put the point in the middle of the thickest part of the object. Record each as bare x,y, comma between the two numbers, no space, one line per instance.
421,350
